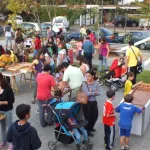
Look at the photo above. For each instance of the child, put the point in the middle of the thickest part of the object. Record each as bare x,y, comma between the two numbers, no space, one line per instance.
59,74
128,84
72,122
21,134
127,111
109,120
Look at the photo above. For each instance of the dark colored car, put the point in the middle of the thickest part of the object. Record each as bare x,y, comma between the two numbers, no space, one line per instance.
137,36
103,32
1,31
119,21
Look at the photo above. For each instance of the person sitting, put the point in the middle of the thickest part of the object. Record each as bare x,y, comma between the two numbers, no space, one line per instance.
72,122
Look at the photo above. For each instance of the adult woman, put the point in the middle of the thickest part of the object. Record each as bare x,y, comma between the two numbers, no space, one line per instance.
84,67
103,53
6,106
37,64
62,54
90,110
51,46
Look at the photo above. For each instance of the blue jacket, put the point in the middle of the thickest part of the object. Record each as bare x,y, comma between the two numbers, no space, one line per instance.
88,47
127,111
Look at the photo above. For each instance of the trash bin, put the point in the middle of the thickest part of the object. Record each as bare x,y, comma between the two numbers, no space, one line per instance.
140,122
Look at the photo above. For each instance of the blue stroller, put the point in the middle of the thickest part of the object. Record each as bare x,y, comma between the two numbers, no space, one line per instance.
62,111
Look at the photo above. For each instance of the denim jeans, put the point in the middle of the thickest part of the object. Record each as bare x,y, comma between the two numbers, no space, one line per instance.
52,69
35,53
78,135
103,62
5,123
8,39
41,114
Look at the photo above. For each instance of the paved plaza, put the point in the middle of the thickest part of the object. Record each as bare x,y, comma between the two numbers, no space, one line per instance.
46,134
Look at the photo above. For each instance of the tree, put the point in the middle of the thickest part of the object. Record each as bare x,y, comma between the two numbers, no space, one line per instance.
28,6
144,10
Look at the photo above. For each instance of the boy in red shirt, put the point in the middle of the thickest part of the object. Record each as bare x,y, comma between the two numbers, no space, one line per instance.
109,120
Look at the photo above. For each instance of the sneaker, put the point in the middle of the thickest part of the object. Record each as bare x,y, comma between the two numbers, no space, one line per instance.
37,111
126,148
11,147
122,148
78,147
2,145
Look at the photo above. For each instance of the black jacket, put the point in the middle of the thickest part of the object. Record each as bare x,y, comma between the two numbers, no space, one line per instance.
23,137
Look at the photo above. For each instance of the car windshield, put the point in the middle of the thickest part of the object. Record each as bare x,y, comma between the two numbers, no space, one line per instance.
58,20
45,25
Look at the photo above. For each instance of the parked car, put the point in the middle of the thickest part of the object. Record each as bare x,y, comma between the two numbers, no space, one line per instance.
30,26
44,25
2,17
119,21
103,32
1,31
138,36
18,19
60,22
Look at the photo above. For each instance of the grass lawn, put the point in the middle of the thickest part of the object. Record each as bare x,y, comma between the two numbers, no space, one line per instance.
144,76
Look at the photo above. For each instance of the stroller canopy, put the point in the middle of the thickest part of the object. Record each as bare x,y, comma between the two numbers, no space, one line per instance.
66,110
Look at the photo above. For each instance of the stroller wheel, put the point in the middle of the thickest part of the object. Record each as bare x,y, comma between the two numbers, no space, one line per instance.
120,84
101,82
51,145
114,86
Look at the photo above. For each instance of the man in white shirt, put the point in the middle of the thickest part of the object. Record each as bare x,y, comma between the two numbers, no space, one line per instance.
8,35
74,77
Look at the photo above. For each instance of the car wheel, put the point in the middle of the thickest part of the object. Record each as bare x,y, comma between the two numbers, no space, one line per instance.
134,24
142,46
119,25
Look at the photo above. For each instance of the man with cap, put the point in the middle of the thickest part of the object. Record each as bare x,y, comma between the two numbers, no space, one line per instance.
72,76
45,83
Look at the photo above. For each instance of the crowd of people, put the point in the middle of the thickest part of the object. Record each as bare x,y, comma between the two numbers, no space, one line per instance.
54,71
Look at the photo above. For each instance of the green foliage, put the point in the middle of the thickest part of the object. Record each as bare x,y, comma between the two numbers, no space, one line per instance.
144,76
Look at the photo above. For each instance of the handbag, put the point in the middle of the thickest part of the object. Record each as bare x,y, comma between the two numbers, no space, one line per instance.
2,116
82,98
139,63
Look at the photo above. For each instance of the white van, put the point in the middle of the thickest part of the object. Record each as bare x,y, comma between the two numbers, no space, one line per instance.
60,22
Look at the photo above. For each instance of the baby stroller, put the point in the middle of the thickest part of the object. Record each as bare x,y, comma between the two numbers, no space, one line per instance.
62,111
107,78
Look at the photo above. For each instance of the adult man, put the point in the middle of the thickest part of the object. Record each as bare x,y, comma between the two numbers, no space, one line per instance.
74,77
49,32
83,31
45,82
8,35
89,50
132,53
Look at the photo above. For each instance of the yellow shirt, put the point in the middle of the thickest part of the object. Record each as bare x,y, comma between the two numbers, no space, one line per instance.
132,59
5,60
128,87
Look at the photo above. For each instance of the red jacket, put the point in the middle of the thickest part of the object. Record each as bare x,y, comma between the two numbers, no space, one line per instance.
118,70
37,44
